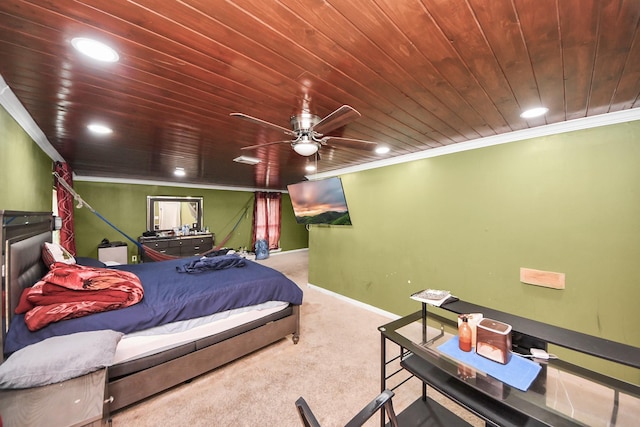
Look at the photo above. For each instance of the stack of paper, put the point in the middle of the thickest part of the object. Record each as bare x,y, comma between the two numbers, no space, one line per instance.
432,296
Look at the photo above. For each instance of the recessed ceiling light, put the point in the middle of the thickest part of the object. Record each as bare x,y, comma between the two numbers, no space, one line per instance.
383,150
95,49
99,129
534,112
310,168
179,172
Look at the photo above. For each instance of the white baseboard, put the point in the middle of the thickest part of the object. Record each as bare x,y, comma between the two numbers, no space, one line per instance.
356,302
252,256
281,252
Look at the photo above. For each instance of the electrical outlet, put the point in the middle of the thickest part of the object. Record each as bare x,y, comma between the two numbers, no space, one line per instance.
134,259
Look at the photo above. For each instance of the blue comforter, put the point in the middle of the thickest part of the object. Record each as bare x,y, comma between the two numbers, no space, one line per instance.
170,296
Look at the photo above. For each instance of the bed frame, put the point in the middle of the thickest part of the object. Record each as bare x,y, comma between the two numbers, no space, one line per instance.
23,234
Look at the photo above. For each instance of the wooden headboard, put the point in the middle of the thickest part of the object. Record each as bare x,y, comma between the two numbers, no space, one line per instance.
23,234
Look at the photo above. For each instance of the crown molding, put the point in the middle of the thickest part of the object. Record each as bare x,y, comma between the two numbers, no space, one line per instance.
20,114
505,138
87,178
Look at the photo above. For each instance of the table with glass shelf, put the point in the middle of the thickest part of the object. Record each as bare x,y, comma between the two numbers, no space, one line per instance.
562,394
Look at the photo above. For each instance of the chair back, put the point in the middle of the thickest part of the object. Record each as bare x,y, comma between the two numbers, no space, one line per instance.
382,401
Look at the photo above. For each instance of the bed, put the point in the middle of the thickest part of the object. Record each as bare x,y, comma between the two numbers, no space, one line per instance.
154,355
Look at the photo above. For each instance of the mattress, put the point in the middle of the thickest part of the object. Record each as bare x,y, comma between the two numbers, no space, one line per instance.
151,341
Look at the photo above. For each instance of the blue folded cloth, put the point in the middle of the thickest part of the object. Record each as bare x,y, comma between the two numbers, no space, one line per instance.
214,263
518,372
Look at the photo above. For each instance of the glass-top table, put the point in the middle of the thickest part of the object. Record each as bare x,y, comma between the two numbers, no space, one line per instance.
562,393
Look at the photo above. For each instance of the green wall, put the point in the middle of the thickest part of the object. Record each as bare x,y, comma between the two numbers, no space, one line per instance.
125,206
26,183
465,222
468,222
293,235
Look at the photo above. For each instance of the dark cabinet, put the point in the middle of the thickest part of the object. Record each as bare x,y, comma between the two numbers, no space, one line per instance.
178,246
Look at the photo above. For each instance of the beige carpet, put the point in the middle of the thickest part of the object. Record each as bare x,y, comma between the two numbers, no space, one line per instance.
335,366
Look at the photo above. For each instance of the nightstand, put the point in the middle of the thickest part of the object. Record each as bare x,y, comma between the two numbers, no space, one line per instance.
113,252
76,402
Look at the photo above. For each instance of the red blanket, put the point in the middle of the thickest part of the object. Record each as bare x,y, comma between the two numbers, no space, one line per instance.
72,290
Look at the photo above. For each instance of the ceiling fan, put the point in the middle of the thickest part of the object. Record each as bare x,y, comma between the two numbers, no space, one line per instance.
308,130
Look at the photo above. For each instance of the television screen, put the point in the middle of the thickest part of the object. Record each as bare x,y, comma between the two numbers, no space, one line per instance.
319,202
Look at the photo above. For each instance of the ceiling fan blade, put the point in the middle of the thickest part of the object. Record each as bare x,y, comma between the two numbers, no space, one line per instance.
338,118
263,123
252,147
358,144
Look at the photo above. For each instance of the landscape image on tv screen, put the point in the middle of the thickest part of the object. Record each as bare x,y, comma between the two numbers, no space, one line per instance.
319,202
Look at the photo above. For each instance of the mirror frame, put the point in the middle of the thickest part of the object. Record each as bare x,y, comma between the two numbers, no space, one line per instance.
151,208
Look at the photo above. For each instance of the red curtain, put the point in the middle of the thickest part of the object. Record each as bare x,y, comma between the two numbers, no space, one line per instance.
65,207
266,218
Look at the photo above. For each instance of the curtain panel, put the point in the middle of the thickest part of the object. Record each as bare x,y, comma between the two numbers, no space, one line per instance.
267,218
65,207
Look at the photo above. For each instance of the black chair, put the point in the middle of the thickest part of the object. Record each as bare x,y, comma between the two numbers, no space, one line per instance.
383,400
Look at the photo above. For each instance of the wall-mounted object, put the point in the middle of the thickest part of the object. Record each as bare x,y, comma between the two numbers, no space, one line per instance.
548,279
57,223
166,213
320,202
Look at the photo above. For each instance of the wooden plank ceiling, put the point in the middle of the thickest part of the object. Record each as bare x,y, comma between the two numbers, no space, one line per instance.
422,73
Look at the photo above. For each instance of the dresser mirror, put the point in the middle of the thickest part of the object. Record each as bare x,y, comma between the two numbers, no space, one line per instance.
165,213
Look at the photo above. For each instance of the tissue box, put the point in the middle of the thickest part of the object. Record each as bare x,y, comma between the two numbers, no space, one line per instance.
494,340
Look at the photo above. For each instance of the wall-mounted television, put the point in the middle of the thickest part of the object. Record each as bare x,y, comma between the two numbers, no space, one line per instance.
319,202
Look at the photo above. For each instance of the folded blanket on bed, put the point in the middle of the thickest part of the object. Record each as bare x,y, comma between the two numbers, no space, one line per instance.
214,263
71,290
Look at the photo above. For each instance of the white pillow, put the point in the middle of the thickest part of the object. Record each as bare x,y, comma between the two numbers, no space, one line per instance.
58,359
52,252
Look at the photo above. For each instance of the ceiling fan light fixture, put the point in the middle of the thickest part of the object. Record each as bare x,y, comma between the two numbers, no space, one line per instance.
306,148
95,49
534,112
309,131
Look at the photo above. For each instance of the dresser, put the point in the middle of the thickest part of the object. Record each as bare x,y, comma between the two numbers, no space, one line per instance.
179,246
